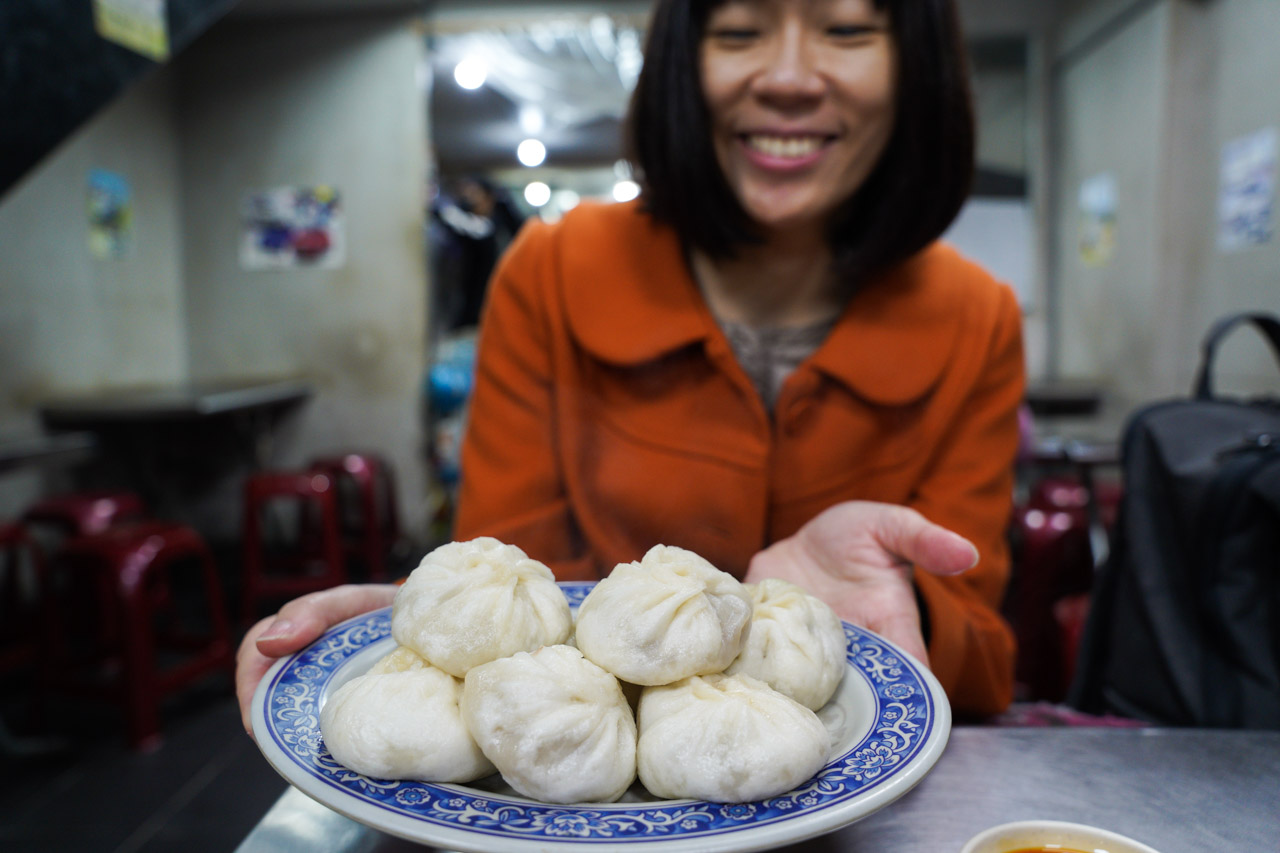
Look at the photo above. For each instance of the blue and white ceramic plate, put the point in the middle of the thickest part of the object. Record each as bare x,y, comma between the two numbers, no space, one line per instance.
889,723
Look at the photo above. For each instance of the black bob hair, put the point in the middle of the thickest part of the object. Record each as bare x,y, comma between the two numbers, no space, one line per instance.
908,200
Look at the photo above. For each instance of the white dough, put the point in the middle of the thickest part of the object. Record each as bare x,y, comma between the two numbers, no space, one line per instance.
796,644
556,725
468,603
726,739
667,617
401,720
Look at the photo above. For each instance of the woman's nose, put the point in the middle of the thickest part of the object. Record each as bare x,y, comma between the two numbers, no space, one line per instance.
791,70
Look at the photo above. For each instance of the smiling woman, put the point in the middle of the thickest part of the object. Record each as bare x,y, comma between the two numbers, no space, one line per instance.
800,97
890,75
767,359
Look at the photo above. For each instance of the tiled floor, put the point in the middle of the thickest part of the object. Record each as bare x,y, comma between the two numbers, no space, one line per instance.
202,790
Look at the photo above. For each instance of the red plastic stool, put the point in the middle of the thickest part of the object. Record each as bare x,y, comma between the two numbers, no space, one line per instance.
81,513
301,553
22,579
134,568
366,507
1051,559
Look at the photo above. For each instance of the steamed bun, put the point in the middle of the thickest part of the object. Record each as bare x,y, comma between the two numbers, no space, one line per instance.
401,720
726,739
796,644
556,725
472,602
670,616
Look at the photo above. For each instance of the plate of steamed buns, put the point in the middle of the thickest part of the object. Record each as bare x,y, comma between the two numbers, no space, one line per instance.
669,705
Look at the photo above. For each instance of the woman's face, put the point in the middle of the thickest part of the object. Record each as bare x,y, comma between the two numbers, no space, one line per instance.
801,98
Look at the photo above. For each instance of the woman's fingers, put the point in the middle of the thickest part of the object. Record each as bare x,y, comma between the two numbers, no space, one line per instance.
298,623
304,619
916,540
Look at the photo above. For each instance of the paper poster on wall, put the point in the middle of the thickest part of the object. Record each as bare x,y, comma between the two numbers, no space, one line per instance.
1246,194
287,227
140,25
1098,219
109,208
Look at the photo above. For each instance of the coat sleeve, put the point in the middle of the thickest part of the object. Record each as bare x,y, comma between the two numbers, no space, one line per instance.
970,490
512,488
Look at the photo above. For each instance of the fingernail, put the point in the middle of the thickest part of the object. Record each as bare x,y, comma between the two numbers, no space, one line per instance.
277,629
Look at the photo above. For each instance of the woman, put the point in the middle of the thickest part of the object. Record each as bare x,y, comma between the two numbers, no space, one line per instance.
768,360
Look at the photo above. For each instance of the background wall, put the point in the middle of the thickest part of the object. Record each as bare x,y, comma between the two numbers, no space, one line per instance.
1243,97
1149,91
71,322
1146,90
304,102
251,105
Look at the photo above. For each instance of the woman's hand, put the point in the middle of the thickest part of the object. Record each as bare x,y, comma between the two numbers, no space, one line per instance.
858,558
298,623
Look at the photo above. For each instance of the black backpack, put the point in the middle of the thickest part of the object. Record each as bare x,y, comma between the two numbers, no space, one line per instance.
1184,627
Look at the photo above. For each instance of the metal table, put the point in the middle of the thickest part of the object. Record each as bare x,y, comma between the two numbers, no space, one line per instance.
165,440
166,404
40,449
1178,790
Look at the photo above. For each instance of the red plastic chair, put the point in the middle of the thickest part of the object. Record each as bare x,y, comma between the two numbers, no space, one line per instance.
291,537
82,513
366,507
1055,552
133,568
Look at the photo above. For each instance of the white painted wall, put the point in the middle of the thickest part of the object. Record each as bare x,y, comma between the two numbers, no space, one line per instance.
1245,98
71,322
251,105
1152,101
302,102
1111,114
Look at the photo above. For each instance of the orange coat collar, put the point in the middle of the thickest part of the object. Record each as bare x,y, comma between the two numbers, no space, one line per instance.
630,299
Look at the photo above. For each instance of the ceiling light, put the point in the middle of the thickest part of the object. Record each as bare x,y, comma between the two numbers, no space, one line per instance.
567,199
532,119
531,152
625,190
537,193
470,73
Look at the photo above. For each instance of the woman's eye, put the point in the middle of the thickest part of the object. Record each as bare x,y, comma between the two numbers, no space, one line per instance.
734,34
850,31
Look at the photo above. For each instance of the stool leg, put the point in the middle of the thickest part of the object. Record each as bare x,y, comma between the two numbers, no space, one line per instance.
138,667
219,626
374,550
251,556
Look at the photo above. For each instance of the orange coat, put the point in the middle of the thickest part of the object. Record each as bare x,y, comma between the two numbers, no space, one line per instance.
610,415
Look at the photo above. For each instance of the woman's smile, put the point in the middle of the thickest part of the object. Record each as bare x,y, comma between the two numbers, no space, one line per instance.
785,151
801,99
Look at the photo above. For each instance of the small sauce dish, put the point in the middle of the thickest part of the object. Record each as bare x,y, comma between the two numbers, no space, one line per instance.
1034,836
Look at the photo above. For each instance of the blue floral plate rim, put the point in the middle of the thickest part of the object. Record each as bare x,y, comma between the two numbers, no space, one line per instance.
890,720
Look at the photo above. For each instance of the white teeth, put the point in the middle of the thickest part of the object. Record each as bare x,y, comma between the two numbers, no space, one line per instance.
785,146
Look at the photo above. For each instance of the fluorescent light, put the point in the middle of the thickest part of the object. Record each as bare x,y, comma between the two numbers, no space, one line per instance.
531,152
470,72
567,199
537,193
532,119
625,190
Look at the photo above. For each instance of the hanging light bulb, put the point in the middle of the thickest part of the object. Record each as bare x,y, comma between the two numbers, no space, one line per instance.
532,119
531,152
625,190
567,199
537,193
470,73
